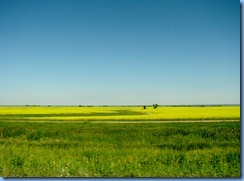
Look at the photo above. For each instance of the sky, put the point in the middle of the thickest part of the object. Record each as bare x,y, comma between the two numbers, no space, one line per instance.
119,52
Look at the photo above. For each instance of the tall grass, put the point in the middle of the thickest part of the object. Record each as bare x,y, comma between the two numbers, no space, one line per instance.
124,150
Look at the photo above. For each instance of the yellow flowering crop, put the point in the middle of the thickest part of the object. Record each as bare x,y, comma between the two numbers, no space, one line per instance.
119,113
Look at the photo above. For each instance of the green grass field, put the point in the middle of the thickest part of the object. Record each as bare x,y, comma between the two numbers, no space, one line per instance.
85,149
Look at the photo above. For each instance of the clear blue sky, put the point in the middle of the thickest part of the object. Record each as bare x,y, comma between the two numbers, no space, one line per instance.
119,52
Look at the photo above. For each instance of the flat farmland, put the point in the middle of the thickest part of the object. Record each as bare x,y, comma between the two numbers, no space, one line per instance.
195,142
119,113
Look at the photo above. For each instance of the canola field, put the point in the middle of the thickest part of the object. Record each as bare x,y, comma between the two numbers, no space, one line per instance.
45,142
119,113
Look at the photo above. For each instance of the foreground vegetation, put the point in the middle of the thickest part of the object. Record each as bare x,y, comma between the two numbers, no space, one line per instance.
78,142
120,150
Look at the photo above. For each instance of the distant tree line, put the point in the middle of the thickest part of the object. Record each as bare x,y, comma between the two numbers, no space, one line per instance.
155,106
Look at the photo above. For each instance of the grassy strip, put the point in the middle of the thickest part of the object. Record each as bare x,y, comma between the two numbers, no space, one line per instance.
44,119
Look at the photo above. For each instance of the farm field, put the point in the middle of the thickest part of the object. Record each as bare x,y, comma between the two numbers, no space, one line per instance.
26,113
33,144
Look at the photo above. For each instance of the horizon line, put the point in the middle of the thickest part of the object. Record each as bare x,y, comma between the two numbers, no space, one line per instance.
114,105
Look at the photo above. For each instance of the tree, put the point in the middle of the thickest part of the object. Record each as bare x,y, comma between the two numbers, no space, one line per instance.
155,106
